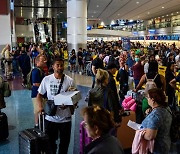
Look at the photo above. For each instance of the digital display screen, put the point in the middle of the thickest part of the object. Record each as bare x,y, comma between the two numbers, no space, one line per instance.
168,37
162,37
176,37
151,37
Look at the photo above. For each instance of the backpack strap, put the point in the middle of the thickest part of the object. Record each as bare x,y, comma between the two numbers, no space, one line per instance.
40,70
146,77
155,76
151,79
61,83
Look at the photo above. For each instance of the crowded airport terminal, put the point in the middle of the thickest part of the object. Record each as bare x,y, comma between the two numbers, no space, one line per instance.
90,77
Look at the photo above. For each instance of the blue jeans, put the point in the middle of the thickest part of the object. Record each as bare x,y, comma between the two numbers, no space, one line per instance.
93,80
136,82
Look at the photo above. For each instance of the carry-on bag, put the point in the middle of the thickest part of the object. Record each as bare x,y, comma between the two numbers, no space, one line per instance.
34,141
124,133
4,132
84,139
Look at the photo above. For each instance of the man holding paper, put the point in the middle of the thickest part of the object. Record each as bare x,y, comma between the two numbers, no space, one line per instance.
60,122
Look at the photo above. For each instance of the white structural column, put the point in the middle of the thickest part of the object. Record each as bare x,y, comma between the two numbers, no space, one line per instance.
5,32
76,24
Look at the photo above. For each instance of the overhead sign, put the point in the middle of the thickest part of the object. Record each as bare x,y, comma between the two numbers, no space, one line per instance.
152,31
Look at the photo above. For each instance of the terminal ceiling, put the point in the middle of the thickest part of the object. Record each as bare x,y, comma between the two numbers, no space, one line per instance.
99,9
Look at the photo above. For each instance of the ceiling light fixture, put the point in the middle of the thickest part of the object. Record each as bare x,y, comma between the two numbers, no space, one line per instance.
97,6
148,13
92,16
167,15
162,16
177,12
60,12
137,2
172,14
162,7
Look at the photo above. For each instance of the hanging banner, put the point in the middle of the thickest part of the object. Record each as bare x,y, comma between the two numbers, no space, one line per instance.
126,43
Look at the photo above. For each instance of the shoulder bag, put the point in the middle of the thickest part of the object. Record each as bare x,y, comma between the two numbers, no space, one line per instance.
50,108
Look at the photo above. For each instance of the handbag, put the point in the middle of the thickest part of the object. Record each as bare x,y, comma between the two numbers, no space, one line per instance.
50,108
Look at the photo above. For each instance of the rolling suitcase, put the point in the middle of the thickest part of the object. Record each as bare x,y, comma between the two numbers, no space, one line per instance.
84,139
34,141
4,132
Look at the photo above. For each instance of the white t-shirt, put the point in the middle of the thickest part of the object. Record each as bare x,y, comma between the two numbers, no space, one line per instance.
177,58
106,60
146,67
51,85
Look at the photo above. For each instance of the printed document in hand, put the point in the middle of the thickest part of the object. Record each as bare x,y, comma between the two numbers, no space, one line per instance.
67,98
134,125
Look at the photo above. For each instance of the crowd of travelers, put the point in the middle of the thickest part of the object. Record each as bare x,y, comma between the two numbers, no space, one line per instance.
108,63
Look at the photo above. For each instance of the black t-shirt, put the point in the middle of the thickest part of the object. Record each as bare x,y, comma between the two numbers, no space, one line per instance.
98,63
169,77
122,77
80,54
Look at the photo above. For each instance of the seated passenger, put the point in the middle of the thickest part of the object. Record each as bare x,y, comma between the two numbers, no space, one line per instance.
98,123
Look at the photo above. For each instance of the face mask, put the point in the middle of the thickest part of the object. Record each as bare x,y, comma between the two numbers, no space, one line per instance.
136,59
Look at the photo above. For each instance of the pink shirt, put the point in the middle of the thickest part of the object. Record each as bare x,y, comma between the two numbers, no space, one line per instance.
140,145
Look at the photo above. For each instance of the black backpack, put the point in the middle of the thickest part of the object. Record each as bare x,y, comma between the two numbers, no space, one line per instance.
89,69
111,59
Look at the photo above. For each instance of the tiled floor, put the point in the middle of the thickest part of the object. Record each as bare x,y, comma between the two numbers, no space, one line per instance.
20,115
19,111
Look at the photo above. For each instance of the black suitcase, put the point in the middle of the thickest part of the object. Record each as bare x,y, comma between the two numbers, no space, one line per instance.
34,141
4,132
